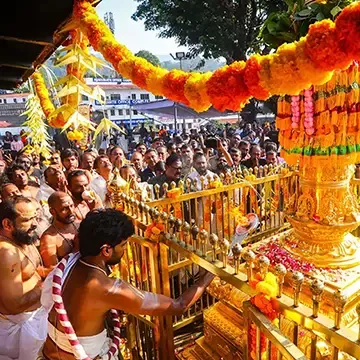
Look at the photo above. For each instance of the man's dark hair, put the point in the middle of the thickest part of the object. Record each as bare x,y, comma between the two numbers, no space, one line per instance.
186,146
68,153
156,139
172,159
151,150
74,174
270,146
159,166
98,159
100,227
244,142
7,208
116,147
197,156
169,146
139,144
10,171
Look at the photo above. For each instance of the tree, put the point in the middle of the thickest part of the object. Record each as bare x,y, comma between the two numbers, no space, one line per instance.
290,25
151,58
214,28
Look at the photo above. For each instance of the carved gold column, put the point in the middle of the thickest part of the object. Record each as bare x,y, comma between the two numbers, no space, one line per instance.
324,213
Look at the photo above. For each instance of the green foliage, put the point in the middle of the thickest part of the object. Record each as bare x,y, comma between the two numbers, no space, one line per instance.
214,28
290,25
151,58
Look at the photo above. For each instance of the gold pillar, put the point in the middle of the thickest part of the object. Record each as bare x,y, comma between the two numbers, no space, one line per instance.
324,213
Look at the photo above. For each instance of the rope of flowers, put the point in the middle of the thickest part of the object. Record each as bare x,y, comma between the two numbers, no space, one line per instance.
310,61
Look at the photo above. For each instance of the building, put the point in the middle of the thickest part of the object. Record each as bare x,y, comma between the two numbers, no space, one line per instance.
121,96
12,105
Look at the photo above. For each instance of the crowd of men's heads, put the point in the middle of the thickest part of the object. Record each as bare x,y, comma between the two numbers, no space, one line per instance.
158,159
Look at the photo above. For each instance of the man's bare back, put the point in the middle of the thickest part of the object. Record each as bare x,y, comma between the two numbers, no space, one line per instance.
87,315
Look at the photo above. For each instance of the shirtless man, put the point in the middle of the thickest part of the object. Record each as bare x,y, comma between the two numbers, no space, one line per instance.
8,191
17,175
88,293
22,318
59,239
78,184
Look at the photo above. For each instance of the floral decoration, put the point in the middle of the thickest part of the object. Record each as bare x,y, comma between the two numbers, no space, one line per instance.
329,46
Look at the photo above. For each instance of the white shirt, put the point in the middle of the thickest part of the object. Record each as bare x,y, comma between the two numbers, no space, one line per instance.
99,186
195,175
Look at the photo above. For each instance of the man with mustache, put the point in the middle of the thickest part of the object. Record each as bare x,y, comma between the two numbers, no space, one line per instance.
22,318
59,239
84,199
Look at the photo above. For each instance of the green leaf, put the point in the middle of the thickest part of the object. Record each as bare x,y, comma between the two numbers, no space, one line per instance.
272,27
320,16
288,37
304,13
335,11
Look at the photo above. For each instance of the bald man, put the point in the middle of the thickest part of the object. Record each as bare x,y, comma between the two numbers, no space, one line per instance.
60,238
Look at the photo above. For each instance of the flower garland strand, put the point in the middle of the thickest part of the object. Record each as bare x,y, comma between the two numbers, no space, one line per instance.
310,61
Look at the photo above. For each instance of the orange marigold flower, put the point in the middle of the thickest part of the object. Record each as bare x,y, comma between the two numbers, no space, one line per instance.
174,85
348,30
196,91
252,78
227,88
322,47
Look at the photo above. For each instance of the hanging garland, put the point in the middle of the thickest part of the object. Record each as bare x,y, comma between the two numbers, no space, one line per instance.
323,121
328,46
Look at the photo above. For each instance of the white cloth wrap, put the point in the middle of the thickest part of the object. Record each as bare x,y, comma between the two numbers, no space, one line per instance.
22,335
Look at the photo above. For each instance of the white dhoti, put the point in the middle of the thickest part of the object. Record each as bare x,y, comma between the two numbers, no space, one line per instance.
96,346
22,335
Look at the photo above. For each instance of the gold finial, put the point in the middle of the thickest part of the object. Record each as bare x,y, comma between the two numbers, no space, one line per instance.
340,300
317,288
264,264
202,181
157,191
186,230
165,188
213,240
178,224
249,256
188,185
280,271
237,251
203,239
297,279
225,246
173,185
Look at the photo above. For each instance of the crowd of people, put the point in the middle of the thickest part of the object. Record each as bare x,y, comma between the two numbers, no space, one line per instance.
59,209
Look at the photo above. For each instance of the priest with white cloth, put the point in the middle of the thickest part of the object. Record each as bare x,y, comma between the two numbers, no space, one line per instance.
23,321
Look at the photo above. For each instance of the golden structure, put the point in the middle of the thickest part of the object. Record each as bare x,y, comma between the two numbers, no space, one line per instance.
318,308
325,191
307,238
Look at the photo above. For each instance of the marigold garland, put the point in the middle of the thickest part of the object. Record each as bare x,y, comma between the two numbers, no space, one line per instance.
329,46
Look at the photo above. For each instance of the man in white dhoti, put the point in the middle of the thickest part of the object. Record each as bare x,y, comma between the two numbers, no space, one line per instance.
83,293
23,321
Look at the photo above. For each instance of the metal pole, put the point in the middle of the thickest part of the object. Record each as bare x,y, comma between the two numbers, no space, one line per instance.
130,118
175,116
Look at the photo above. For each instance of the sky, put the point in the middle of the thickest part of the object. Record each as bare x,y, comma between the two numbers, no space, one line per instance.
132,33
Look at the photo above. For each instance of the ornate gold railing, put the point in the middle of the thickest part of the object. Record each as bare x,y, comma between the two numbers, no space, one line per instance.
168,264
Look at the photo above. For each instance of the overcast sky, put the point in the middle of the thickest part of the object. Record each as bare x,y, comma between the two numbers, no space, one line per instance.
132,33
